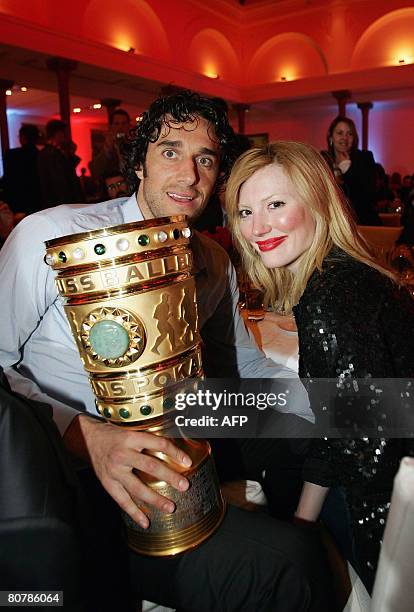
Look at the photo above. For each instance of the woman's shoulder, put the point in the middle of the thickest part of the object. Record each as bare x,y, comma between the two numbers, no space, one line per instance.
346,278
348,291
363,156
338,261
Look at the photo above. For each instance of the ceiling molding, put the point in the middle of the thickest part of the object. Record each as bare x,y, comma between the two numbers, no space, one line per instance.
376,79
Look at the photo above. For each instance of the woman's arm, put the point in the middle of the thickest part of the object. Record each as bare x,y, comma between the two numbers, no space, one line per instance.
311,501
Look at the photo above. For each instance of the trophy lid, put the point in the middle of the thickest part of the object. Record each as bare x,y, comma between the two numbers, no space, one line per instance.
114,229
109,243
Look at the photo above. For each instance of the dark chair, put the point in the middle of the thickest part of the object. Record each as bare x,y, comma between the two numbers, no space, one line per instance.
39,529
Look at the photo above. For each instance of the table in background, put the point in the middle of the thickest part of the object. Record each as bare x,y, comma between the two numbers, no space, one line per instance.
390,219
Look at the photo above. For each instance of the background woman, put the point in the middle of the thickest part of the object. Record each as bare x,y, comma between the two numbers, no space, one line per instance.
354,169
299,242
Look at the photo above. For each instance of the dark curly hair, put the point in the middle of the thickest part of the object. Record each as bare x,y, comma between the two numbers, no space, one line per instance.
182,107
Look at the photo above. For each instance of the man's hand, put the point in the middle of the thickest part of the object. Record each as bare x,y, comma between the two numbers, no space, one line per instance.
115,452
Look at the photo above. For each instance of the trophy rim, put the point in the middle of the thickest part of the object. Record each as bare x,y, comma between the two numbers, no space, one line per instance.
114,229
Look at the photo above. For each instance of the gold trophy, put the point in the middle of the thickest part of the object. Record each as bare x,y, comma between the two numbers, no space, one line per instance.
131,304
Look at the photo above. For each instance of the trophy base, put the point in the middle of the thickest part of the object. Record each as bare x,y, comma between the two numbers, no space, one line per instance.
199,510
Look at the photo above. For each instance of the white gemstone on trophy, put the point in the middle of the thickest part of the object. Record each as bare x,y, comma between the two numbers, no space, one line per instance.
186,232
162,236
50,259
78,253
123,244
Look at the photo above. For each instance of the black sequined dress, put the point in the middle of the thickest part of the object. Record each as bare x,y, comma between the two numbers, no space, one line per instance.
355,323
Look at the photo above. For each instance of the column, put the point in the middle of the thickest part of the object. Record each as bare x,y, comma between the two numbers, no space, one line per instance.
241,110
63,67
4,128
365,107
110,104
342,96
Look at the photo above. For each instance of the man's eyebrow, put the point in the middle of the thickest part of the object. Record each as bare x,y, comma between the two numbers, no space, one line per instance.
177,144
208,151
169,143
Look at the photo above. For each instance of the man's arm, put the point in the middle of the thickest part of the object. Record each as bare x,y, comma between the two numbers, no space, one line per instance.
27,292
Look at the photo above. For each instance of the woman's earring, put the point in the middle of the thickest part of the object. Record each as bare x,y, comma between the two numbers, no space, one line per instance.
330,142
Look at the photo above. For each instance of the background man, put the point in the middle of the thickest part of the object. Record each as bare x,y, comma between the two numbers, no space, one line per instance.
21,180
57,163
110,158
116,185
182,150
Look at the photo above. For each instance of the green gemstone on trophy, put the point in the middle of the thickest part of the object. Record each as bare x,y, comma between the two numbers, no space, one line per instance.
109,339
143,240
124,413
99,249
168,403
62,257
107,413
145,410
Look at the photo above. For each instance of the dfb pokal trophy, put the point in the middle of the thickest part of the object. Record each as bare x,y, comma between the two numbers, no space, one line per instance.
129,296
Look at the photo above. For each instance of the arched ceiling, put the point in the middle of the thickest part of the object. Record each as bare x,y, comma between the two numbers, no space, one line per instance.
248,48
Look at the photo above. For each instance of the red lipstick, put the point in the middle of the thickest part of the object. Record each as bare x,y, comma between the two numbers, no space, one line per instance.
271,243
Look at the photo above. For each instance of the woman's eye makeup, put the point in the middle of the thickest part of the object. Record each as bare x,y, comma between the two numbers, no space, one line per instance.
243,213
273,205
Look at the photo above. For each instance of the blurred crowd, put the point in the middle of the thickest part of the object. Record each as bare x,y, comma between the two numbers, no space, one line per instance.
44,172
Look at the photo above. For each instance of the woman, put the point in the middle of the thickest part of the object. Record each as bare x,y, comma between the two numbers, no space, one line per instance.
354,169
299,243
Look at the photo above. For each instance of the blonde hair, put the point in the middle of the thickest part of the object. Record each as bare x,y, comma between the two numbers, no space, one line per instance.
317,189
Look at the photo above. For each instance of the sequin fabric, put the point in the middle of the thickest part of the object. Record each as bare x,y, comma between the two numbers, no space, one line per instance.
354,323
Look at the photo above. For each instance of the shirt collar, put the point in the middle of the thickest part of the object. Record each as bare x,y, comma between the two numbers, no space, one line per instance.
131,211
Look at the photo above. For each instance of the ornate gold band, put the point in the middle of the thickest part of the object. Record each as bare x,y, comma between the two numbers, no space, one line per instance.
113,242
129,272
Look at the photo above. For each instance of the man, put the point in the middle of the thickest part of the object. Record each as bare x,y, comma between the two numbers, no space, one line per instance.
109,159
183,149
21,180
57,163
115,184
